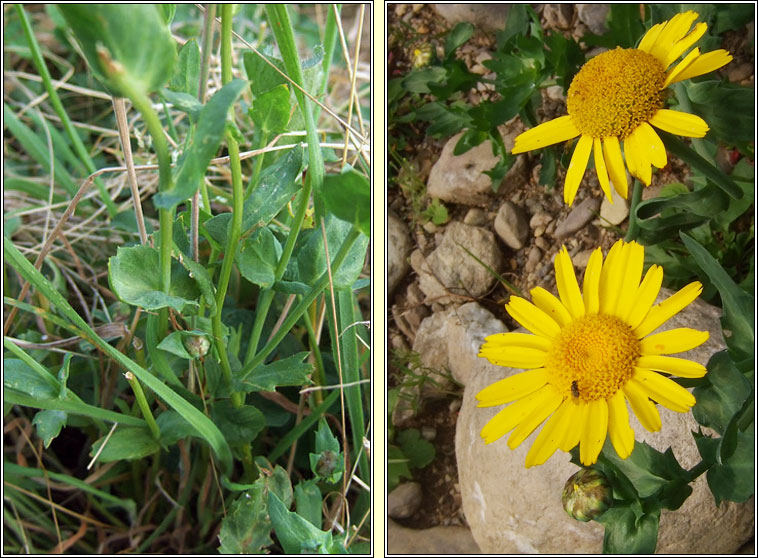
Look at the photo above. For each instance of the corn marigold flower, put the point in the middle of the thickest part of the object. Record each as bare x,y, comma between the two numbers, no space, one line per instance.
592,352
618,96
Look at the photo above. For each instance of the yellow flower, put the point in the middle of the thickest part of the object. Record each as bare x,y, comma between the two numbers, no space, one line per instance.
590,354
617,96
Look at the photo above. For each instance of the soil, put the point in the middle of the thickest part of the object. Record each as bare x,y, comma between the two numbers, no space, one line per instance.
410,27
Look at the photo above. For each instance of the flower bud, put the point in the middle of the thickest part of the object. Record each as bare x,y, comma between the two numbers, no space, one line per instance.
197,345
422,55
587,494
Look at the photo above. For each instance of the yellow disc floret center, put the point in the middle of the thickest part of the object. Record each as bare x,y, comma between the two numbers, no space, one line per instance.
593,357
615,92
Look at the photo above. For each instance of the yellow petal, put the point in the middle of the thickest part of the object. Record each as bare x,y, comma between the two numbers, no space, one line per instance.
659,313
637,157
673,341
532,318
507,419
548,404
630,278
591,284
610,277
549,438
578,415
568,288
645,295
576,169
615,163
594,433
673,73
679,123
649,39
516,350
549,303
619,430
665,391
554,131
681,46
600,169
512,388
672,365
705,63
649,139
674,30
642,406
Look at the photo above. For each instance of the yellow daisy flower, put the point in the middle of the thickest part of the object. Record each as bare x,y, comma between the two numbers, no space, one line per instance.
616,97
590,354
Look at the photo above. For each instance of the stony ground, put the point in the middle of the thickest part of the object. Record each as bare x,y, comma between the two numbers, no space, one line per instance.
542,224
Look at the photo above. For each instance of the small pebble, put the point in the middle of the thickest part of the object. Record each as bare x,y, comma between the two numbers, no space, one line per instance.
428,433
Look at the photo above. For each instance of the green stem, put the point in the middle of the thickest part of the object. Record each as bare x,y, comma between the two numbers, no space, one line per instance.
142,103
634,227
329,43
205,61
237,207
143,405
81,151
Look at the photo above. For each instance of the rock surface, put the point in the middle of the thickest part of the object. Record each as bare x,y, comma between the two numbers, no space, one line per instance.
450,273
461,178
488,17
511,225
437,540
398,250
511,509
579,216
614,213
404,500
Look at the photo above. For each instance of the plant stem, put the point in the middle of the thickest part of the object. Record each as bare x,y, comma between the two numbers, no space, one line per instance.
237,207
143,404
634,227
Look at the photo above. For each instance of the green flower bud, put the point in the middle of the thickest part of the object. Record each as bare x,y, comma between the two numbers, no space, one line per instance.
587,494
197,345
422,55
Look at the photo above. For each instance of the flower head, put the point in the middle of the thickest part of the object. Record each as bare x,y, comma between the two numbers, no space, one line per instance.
590,354
618,96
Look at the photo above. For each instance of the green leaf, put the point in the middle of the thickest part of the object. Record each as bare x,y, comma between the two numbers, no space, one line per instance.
134,277
186,79
277,184
211,126
446,120
246,528
311,259
328,462
173,343
173,427
648,469
420,452
290,371
261,75
184,102
271,111
49,424
397,467
723,394
348,196
240,425
739,306
308,501
470,139
131,41
19,376
296,534
169,11
461,33
126,442
733,479
626,534
709,98
258,257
